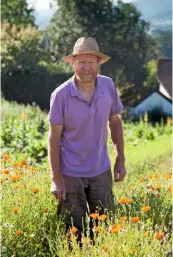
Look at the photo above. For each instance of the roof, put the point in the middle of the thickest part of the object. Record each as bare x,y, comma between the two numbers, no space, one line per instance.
164,74
134,96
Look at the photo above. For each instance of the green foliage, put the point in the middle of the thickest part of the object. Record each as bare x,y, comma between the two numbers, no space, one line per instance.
17,12
116,28
151,68
21,49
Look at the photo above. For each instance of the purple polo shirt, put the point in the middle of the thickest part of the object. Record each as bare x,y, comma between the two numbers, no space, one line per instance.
83,145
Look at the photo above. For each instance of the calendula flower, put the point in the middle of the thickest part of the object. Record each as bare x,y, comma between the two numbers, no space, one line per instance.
6,156
24,162
17,186
1,180
97,228
115,229
159,235
146,208
18,232
15,210
94,215
23,116
133,251
17,172
170,188
73,230
6,172
35,190
125,201
106,249
123,218
142,179
135,219
45,210
25,186
102,217
14,178
145,233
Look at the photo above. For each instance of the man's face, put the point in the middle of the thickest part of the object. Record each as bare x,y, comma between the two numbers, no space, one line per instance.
86,68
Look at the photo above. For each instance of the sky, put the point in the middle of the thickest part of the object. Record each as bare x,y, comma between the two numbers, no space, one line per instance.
43,5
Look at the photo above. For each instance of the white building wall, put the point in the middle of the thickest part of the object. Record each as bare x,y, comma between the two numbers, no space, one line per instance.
154,100
164,91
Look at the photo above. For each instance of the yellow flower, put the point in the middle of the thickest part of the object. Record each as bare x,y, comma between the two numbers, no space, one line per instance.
146,208
23,116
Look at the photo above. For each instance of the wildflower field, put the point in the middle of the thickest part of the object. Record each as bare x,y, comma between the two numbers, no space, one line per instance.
141,224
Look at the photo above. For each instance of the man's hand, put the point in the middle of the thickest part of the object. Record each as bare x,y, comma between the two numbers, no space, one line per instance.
58,189
119,170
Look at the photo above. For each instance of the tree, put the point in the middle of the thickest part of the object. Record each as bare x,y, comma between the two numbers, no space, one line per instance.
119,30
151,80
16,12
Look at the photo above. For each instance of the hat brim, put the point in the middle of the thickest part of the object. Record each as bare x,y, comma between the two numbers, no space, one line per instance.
103,58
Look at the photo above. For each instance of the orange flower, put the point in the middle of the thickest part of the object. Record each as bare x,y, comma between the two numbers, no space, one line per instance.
158,189
98,228
16,165
14,178
146,233
1,180
17,186
146,208
6,172
35,169
142,179
35,190
24,162
115,229
18,232
125,200
73,230
25,186
17,172
6,156
159,235
102,217
170,188
106,249
135,219
45,210
94,215
156,176
123,218
16,210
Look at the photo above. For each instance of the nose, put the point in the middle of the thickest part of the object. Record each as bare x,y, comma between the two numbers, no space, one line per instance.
87,66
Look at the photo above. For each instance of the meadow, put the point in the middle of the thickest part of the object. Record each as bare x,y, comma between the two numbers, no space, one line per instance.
141,224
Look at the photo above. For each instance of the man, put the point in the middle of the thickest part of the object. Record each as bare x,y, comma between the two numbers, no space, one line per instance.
80,110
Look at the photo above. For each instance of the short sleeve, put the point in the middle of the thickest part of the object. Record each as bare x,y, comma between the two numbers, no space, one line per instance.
117,105
56,112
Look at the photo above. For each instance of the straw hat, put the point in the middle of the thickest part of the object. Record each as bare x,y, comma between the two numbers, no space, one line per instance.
85,46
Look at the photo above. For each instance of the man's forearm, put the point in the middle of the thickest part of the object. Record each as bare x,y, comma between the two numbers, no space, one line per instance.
54,158
117,137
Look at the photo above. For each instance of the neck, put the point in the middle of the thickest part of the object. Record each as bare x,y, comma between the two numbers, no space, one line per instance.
86,86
